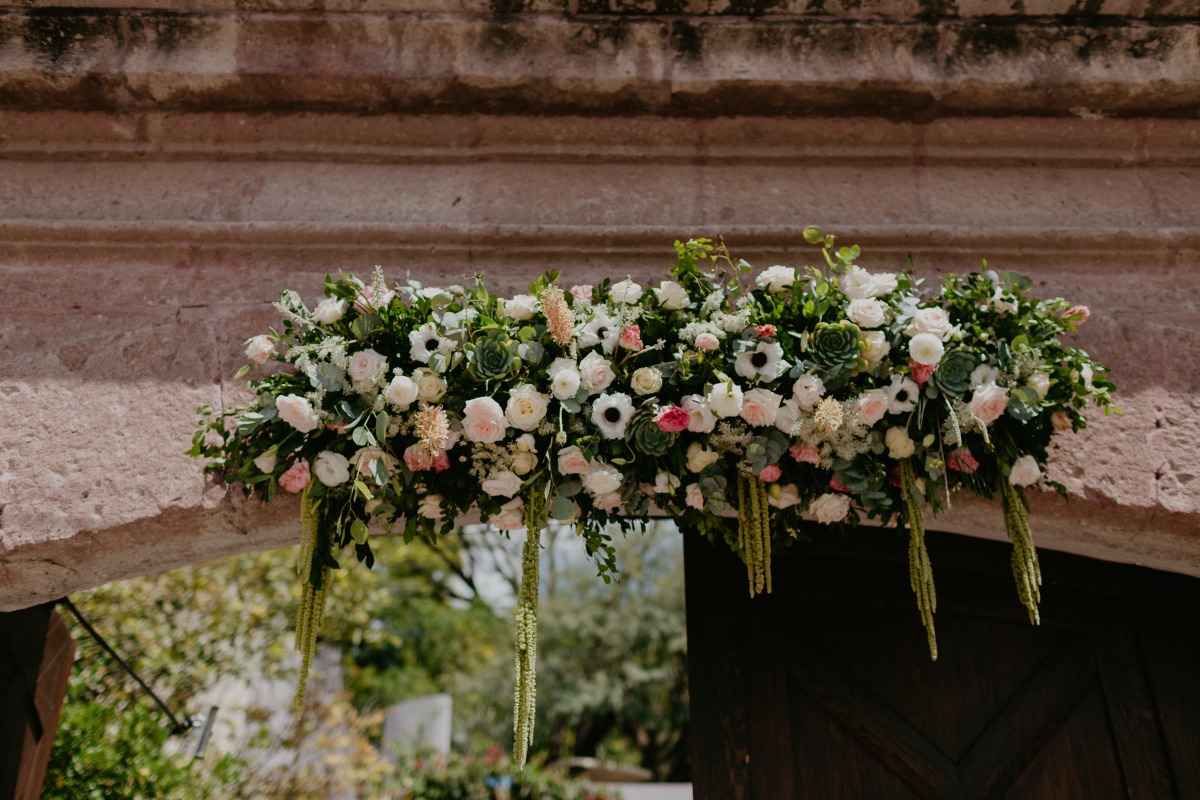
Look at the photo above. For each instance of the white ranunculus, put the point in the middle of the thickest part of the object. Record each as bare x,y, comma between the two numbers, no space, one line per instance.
934,321
646,380
602,479
511,516
807,391
611,413
483,420
431,387
595,373
672,295
521,307
725,398
760,407
565,384
329,310
830,507
871,406
1040,383
877,347
504,483
984,373
626,292
703,420
260,349
899,443
430,507
699,457
523,462
401,392
331,469
267,460
789,495
867,312
776,279
695,497
572,461
988,402
297,412
902,394
1025,472
526,407
926,348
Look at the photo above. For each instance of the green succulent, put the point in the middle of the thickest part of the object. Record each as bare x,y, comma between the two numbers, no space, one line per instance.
644,434
953,374
492,356
838,346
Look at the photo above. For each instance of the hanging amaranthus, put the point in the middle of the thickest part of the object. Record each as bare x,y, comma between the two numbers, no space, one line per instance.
754,532
525,693
920,571
313,593
1026,571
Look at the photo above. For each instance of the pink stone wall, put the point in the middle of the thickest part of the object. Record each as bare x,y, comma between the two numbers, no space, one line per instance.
146,225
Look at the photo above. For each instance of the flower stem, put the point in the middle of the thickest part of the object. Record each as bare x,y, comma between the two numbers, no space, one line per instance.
920,571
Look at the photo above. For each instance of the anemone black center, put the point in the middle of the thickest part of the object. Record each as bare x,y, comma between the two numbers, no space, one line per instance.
759,360
432,345
601,333
612,415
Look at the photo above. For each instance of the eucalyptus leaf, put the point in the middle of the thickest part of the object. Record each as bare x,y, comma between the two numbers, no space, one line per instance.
569,488
562,509
358,531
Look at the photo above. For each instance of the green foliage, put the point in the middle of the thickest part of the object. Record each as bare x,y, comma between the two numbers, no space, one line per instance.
492,777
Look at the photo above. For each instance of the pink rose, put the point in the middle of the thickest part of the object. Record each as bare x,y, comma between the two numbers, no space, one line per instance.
595,373
872,405
572,461
260,349
511,516
805,453
441,461
417,458
607,502
961,460
760,407
483,420
988,402
1080,314
631,338
921,372
837,485
297,478
695,497
582,292
708,341
770,473
672,419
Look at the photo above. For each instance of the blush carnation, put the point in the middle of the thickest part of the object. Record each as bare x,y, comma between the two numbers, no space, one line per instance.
672,419
770,473
961,460
921,372
805,453
631,338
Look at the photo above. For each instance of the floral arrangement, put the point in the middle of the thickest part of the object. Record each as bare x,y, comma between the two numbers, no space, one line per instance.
828,393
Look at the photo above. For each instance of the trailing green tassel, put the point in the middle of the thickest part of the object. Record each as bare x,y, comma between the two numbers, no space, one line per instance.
754,532
1026,570
920,571
313,593
525,693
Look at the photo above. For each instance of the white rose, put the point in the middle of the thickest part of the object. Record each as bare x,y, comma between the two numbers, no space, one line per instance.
672,295
984,374
898,443
695,497
646,380
666,483
526,407
266,461
988,402
511,516
521,307
926,348
1086,373
331,469
595,373
523,462
365,365
483,420
776,279
830,507
789,495
260,349
725,398
877,347
866,312
626,292
933,321
1025,472
430,507
401,392
602,479
430,386
572,461
699,457
871,406
297,412
789,412
760,407
1040,383
703,420
329,310
808,391
501,484
857,284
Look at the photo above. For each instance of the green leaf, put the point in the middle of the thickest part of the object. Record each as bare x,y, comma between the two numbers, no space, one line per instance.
362,489
381,425
242,372
358,530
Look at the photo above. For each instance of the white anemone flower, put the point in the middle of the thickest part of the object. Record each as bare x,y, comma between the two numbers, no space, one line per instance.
602,329
611,413
902,394
763,363
427,340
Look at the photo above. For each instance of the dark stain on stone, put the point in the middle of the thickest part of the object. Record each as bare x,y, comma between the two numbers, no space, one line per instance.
166,30
1086,7
1145,48
630,8
750,8
936,9
605,36
507,6
502,37
55,34
815,7
686,39
983,39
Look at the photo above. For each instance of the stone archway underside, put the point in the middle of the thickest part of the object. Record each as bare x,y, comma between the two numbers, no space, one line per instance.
166,171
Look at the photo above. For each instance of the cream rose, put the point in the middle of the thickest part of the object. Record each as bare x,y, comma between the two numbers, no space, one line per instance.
401,392
595,373
776,279
572,461
521,307
511,516
1025,472
365,365
626,292
260,349
607,502
602,479
830,507
430,386
329,310
934,321
646,380
331,469
760,407
700,457
523,462
695,497
1040,383
988,402
789,495
672,295
866,312
899,444
526,407
483,420
501,484
707,341
785,419
297,412
871,406
877,347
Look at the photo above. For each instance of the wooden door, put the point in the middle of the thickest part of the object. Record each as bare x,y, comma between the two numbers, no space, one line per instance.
825,690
